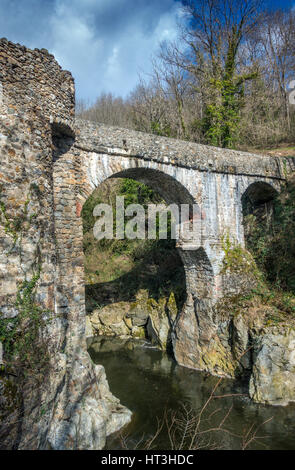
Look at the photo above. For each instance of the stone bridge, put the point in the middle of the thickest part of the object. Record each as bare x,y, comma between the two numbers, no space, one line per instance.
216,180
50,165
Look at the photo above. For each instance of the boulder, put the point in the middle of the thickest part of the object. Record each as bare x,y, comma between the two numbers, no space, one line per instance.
111,320
273,374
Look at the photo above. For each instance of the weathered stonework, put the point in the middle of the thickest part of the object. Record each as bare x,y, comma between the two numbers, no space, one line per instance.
36,114
273,376
56,163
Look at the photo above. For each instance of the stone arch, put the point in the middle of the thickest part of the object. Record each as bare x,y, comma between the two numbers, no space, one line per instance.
171,182
258,213
257,194
169,185
194,320
63,138
175,184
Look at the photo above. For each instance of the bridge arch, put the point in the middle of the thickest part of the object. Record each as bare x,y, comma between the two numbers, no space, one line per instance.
257,194
175,188
174,184
169,184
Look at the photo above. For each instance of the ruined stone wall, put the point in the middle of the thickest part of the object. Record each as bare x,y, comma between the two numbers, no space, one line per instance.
72,408
28,107
35,92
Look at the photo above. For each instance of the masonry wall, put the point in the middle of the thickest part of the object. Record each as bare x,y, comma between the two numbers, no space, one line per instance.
35,94
36,133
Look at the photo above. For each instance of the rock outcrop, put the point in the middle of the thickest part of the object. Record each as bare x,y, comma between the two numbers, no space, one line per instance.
143,318
228,344
273,371
84,422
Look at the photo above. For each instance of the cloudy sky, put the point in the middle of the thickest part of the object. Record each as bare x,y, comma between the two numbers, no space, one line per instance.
104,43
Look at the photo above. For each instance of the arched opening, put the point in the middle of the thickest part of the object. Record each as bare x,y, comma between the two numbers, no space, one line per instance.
135,288
258,198
259,213
269,235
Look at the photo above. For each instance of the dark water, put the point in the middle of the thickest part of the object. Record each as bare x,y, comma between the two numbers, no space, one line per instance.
149,382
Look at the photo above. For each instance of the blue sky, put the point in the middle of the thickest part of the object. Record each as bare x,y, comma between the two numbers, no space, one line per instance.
104,43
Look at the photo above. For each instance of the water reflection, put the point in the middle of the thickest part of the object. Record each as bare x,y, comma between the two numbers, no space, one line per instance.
148,381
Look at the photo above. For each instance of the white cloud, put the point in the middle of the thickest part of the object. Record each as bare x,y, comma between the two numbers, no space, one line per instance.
104,43
105,48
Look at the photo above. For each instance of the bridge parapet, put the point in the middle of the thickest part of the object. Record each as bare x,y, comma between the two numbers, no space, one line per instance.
99,138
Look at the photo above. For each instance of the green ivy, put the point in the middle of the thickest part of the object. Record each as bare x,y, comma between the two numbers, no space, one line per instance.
221,121
21,335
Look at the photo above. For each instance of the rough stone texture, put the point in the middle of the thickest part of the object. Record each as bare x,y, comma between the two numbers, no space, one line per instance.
103,139
273,375
88,328
111,320
58,163
36,127
96,416
161,321
143,318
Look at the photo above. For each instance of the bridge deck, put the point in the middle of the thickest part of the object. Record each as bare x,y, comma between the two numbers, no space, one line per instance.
99,138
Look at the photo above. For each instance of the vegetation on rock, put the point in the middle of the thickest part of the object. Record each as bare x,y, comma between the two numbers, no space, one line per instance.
268,263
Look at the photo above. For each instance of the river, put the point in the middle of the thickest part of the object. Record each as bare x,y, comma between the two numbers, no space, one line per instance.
149,382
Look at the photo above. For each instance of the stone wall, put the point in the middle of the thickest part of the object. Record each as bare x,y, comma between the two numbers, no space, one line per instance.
99,138
74,407
35,94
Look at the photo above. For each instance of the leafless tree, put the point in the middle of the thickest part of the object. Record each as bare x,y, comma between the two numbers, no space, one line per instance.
189,429
225,48
276,37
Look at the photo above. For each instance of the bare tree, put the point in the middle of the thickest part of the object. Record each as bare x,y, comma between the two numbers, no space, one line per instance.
276,38
208,53
107,109
189,429
224,81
